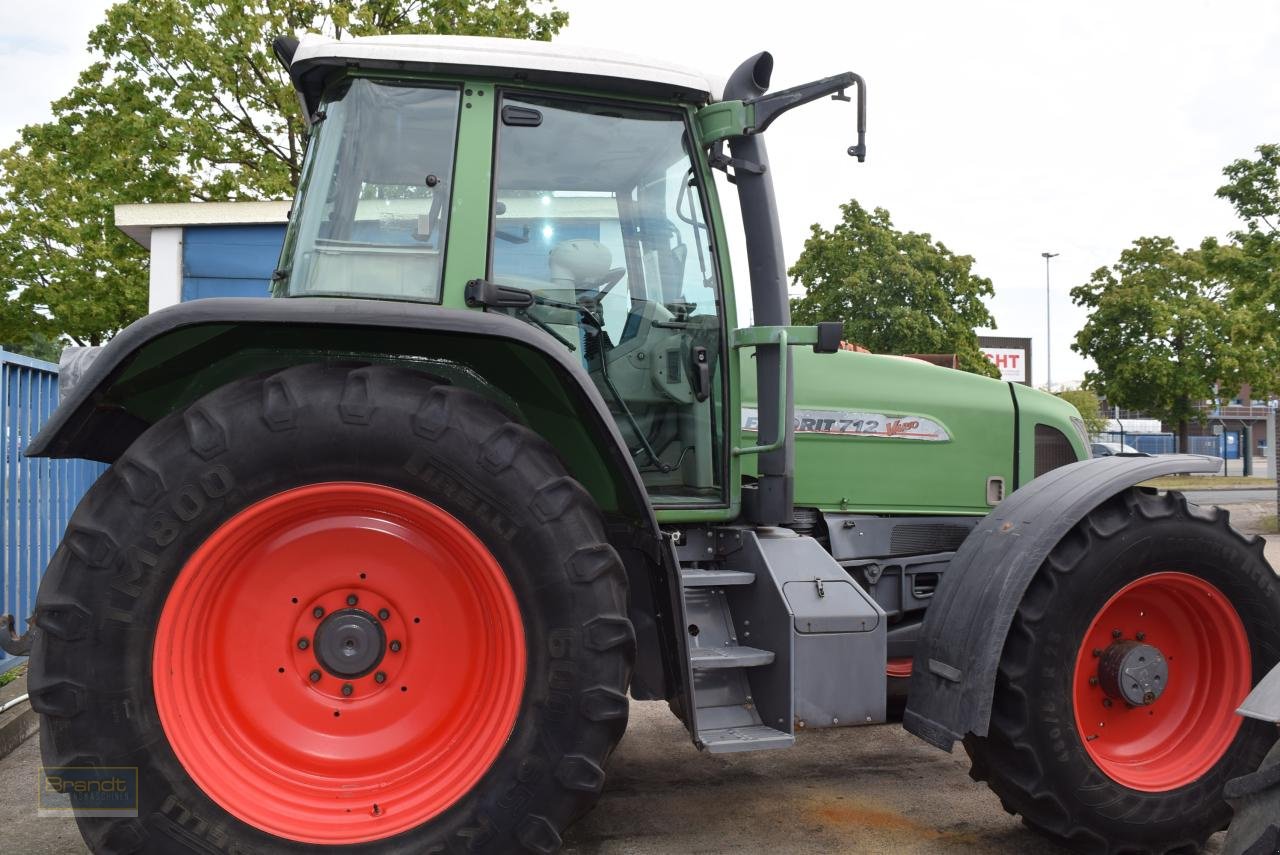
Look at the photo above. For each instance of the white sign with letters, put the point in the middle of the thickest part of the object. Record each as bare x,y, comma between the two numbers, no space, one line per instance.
1012,362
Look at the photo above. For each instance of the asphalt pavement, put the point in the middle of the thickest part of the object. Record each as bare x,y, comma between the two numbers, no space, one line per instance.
837,792
1231,496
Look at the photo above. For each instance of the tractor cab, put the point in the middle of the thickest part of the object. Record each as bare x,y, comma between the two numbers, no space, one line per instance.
594,207
577,199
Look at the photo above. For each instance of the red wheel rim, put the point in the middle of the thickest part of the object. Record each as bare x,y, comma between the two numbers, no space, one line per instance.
1176,738
899,667
295,756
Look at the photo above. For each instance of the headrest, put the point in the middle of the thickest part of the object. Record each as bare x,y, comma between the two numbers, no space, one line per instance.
579,263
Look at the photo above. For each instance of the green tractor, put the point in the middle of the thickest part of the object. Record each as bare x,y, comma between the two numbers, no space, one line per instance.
377,564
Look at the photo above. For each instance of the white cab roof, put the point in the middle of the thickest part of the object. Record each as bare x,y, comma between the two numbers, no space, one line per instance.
545,62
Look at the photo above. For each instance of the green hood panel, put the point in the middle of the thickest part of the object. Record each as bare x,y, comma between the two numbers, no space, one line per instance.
885,434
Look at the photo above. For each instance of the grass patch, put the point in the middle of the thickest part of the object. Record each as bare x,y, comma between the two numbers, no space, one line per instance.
1208,482
12,674
1265,525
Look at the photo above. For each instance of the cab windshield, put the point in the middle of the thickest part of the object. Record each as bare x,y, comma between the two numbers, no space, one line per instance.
598,211
373,198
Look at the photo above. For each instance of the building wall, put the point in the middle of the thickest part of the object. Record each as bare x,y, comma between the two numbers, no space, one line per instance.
229,261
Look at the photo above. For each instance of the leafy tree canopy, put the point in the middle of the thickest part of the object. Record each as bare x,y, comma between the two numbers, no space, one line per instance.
186,102
1162,331
896,292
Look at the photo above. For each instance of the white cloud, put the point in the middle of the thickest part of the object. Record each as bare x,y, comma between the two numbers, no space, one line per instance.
42,51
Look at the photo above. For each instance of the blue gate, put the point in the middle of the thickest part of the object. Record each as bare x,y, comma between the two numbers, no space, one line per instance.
39,494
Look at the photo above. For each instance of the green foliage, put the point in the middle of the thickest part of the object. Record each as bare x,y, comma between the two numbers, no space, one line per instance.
896,292
1086,401
186,102
36,346
1252,259
1161,331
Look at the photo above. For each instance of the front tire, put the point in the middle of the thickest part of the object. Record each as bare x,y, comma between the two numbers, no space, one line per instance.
1113,724
337,607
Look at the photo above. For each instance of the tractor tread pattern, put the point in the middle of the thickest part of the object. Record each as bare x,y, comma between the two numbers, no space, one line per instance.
447,424
1007,758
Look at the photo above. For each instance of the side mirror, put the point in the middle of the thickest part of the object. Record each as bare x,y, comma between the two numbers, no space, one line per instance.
830,334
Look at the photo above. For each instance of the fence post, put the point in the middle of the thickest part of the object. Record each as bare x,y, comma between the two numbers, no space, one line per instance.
1271,443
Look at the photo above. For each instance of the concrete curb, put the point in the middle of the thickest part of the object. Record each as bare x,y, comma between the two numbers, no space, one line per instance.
18,724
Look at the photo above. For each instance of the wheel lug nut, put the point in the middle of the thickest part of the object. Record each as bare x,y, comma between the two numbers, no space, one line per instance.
1093,681
303,644
1115,633
347,689
317,612
352,599
1142,636
395,647
1097,651
315,676
383,614
380,677
1106,702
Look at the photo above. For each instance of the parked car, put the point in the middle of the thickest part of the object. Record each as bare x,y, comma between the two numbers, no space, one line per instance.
1109,449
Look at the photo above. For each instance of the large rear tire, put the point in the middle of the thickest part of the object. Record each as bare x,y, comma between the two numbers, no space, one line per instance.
1113,724
339,607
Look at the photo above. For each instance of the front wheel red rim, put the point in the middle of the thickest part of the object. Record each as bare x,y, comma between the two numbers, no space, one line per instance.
1158,677
339,663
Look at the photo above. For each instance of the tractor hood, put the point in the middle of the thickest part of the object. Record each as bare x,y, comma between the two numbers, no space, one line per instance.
886,434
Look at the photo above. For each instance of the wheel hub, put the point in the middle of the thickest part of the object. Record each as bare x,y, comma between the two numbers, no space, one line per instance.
323,719
1159,673
1133,672
350,643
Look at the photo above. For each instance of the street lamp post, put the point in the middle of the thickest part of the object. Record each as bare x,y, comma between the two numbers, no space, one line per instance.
1048,327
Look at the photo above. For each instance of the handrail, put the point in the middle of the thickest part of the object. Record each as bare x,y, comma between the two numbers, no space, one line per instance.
782,338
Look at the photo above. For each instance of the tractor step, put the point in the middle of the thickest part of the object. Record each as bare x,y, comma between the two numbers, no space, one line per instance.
731,656
778,636
728,740
692,577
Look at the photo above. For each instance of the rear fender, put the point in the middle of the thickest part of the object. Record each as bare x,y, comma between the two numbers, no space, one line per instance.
954,673
1263,702
167,360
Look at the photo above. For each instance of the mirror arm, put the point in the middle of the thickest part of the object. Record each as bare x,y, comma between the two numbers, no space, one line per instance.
769,107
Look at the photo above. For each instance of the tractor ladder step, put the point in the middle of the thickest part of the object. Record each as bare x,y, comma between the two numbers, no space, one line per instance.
757,737
729,656
692,577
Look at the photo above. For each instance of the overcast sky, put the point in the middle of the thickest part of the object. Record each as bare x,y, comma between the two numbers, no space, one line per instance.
1004,129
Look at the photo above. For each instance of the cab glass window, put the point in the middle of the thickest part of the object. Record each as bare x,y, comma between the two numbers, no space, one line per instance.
598,212
373,203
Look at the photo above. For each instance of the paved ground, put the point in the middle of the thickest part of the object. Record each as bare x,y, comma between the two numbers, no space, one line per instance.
1232,497
861,790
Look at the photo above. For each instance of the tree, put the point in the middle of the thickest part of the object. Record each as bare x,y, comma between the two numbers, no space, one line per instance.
1086,401
186,102
1161,331
896,292
1252,258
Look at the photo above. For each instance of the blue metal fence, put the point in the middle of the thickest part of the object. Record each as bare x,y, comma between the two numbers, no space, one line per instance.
39,494
1147,443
